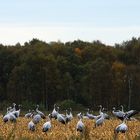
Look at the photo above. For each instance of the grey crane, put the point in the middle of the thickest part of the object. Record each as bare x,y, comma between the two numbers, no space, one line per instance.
54,112
100,121
39,112
47,125
29,114
119,114
121,127
36,118
31,126
80,125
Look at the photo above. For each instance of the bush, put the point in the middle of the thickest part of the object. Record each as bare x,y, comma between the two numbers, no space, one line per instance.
26,105
70,104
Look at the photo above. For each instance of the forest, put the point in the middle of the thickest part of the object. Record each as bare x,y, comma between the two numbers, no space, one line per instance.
83,74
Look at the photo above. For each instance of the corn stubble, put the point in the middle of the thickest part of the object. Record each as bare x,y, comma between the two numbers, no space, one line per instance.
19,131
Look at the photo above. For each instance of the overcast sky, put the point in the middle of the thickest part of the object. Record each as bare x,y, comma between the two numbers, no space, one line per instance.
110,21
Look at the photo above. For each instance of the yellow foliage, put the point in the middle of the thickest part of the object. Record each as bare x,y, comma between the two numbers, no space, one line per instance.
118,66
78,51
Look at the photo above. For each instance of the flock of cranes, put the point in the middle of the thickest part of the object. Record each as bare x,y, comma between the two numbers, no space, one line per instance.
12,114
36,116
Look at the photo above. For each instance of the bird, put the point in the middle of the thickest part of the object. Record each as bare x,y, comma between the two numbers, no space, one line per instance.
54,112
39,112
100,110
131,113
79,115
100,113
31,126
10,109
122,108
7,110
121,128
36,118
127,115
17,112
61,118
90,116
47,125
119,114
9,116
80,125
70,113
29,114
96,117
106,116
14,107
12,117
68,117
100,120
6,118
33,113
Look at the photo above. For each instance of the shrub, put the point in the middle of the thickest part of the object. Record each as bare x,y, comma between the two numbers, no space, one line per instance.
26,105
70,104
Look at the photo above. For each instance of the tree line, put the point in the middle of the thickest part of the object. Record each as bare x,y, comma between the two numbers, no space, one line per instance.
87,73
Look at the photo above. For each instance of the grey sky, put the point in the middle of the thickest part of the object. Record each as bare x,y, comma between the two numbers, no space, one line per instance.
110,21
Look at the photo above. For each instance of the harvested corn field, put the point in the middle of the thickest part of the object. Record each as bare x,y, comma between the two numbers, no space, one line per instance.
19,130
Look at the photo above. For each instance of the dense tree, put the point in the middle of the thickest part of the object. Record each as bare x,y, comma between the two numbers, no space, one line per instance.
82,72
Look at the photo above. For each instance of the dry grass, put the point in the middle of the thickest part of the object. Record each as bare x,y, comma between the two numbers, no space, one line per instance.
19,131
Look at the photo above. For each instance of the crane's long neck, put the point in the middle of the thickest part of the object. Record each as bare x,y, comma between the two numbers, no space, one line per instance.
58,109
7,110
10,109
124,121
66,112
88,110
48,119
70,113
14,107
54,107
122,108
80,120
37,108
100,110
102,115
113,110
